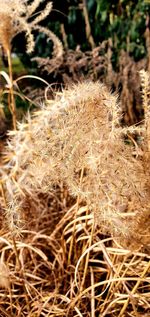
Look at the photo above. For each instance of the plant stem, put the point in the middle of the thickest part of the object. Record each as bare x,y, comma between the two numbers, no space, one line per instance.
12,105
87,25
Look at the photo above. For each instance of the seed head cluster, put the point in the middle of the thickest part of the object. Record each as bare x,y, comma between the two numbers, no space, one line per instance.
77,140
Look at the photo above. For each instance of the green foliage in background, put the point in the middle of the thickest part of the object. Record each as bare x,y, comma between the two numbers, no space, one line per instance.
123,21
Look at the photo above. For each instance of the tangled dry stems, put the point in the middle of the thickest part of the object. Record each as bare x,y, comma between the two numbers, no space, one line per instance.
99,277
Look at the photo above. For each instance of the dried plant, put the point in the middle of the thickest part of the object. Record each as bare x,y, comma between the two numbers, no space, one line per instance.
100,277
16,16
4,276
97,65
127,82
146,92
93,64
50,64
83,6
77,140
62,264
2,122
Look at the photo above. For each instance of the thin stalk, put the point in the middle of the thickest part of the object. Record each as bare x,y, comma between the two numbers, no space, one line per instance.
12,105
87,259
87,25
73,232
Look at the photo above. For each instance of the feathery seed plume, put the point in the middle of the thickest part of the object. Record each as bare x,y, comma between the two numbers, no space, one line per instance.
77,140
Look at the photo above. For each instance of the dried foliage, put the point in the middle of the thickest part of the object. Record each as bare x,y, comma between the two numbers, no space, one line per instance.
47,63
71,271
17,16
94,64
2,122
77,140
68,259
97,64
62,263
13,21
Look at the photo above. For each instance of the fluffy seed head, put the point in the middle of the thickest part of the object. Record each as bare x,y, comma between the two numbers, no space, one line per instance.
77,140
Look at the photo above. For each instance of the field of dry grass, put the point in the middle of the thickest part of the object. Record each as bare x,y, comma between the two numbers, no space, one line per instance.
74,180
